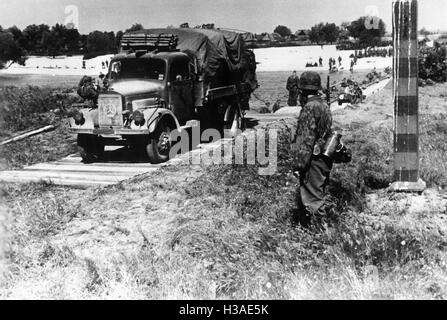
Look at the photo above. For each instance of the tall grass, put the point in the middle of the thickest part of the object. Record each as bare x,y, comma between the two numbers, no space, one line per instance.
230,233
25,108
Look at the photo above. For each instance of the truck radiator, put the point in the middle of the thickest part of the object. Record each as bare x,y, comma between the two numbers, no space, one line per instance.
110,111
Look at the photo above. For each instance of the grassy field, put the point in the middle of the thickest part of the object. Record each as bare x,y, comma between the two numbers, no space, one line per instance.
226,232
20,80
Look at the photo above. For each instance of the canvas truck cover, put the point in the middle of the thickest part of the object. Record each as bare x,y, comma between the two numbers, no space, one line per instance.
221,55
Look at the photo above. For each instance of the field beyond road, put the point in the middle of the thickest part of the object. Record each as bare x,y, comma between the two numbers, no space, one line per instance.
192,232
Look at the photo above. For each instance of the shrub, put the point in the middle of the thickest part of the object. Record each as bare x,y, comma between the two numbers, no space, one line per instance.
433,64
25,108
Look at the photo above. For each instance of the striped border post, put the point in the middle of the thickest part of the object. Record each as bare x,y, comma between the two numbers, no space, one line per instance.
406,97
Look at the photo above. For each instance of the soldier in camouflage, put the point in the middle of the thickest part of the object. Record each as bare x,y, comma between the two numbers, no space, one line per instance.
313,130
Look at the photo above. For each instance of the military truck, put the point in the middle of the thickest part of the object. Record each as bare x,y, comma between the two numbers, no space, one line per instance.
164,80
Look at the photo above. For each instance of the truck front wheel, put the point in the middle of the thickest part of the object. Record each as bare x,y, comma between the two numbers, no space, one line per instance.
159,144
91,148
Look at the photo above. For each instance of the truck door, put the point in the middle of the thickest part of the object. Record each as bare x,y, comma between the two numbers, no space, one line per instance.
181,90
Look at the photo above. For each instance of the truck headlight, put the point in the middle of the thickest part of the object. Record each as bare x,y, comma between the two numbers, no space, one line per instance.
138,118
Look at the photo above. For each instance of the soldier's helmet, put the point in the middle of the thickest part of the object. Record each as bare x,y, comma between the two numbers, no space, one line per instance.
310,80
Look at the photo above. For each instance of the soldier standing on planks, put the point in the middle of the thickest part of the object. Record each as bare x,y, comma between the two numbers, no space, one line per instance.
313,130
292,87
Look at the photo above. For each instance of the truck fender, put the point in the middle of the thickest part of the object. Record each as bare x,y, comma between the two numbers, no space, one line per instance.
91,119
154,117
228,112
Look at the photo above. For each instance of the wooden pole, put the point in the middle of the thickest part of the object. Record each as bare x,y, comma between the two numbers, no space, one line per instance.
406,97
28,134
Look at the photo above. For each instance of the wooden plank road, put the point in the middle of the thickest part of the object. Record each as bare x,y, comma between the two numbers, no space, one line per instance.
118,166
70,171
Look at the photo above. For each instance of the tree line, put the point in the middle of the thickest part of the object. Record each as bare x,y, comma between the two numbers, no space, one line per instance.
367,31
43,40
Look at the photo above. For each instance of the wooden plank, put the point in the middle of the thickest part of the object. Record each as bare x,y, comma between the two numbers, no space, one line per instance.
28,134
407,124
62,182
77,161
405,142
88,168
405,65
87,176
406,161
407,105
407,87
80,172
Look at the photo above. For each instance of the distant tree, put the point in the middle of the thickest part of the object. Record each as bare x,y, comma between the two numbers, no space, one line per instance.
208,26
330,32
99,43
283,31
55,40
184,25
119,36
316,34
10,51
135,27
368,30
345,25
33,38
16,33
72,40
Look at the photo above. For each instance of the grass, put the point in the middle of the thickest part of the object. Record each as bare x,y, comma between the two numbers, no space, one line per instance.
227,232
27,108
37,80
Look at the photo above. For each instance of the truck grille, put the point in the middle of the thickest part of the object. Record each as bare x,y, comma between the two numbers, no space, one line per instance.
110,111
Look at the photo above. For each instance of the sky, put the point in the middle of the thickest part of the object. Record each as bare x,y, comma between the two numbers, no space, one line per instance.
248,15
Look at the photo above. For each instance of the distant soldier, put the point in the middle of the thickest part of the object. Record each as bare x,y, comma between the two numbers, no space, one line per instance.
313,131
320,61
339,61
292,87
352,66
276,106
88,89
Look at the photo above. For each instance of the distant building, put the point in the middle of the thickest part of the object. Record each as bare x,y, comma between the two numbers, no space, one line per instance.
270,38
302,35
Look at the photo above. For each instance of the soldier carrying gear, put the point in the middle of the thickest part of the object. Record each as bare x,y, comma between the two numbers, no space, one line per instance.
292,87
313,132
88,90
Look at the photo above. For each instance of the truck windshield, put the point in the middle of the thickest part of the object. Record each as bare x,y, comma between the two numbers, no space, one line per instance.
154,69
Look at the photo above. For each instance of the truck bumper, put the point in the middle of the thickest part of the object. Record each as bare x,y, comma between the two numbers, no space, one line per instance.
118,132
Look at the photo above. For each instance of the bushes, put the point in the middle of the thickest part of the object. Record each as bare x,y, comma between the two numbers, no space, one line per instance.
432,63
30,108
25,108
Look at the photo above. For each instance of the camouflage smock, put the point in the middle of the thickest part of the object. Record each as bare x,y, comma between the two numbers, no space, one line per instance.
313,129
